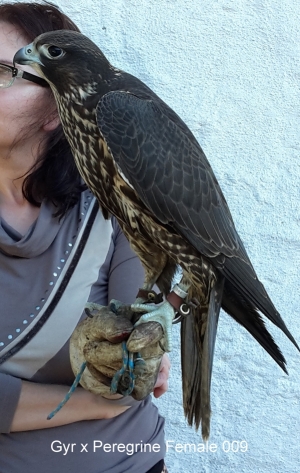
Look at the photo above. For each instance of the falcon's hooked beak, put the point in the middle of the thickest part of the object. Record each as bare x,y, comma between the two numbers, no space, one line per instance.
27,55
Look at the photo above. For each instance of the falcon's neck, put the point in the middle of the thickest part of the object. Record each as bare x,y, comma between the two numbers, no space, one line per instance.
78,95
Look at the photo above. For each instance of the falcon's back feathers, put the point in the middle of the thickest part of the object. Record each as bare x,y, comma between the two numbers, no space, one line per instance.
146,167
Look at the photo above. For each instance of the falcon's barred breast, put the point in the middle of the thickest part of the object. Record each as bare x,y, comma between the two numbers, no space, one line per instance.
146,167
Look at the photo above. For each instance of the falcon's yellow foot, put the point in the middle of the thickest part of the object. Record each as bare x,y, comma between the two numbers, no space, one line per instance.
164,315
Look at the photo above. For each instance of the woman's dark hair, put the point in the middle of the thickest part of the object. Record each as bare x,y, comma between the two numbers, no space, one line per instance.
54,175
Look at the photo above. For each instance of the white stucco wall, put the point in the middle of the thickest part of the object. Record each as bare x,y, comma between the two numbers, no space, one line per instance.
230,69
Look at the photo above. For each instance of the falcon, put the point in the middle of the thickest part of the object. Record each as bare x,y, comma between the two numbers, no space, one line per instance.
147,169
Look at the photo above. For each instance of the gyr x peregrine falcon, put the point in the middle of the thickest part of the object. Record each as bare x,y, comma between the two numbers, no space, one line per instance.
145,167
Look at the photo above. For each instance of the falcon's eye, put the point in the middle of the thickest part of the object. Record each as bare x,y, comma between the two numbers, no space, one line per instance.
55,51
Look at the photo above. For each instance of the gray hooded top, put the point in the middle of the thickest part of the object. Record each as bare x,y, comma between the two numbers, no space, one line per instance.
42,297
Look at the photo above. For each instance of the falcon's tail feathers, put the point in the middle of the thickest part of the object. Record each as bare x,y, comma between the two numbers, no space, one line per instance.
198,335
245,314
244,283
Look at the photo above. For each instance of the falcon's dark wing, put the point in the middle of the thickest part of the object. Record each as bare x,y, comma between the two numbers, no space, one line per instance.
169,171
167,168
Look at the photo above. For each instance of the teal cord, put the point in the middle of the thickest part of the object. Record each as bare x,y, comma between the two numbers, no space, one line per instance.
69,393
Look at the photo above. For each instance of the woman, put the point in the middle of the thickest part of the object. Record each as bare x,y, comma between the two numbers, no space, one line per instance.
56,253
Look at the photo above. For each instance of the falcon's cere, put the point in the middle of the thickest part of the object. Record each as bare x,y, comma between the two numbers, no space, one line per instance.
145,167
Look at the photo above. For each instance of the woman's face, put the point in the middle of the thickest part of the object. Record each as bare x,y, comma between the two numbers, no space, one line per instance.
24,105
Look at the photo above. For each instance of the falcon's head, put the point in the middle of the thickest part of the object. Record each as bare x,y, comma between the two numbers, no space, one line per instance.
66,59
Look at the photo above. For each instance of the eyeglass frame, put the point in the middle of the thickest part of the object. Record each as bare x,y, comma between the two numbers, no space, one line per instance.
24,75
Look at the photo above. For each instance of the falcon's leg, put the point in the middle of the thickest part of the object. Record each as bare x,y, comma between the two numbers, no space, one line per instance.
159,269
165,313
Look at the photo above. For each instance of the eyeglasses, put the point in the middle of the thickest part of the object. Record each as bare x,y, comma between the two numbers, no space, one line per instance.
8,74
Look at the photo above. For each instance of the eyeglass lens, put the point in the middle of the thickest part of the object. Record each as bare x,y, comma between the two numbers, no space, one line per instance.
5,76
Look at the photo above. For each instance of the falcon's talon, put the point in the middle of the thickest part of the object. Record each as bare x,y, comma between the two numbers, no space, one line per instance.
88,313
150,296
115,305
90,307
164,315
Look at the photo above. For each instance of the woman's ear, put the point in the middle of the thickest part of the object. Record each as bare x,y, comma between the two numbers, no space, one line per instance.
51,121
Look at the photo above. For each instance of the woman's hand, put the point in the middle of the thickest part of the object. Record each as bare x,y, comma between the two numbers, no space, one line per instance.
161,385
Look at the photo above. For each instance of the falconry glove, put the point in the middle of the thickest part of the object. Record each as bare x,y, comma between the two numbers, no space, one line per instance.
99,341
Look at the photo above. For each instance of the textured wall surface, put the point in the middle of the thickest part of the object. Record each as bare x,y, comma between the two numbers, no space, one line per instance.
230,69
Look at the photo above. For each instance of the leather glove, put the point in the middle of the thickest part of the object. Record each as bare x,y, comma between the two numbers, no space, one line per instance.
98,341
